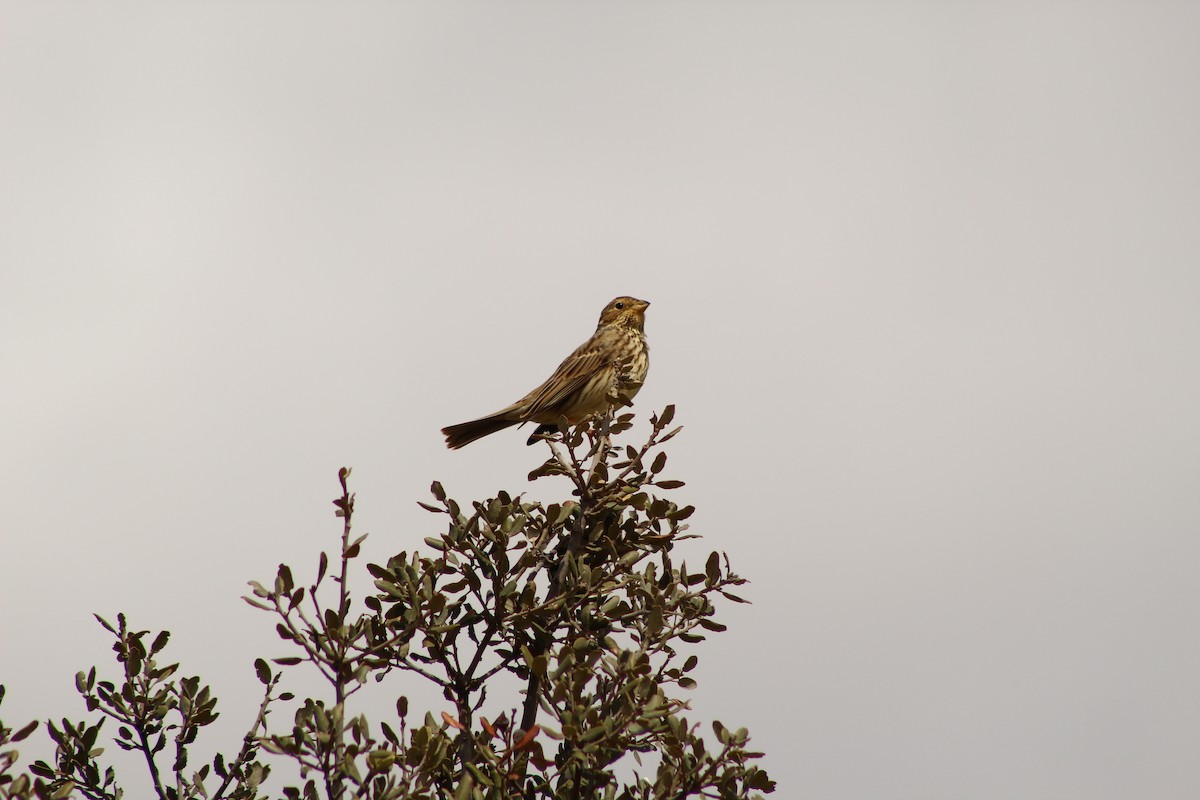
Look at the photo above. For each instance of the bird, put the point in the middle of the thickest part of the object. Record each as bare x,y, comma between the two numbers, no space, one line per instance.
613,362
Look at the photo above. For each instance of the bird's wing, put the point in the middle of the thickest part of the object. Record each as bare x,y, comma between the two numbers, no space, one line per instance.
572,375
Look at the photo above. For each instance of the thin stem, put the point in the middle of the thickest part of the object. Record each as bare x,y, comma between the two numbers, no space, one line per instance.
145,748
335,786
301,637
343,596
249,744
601,446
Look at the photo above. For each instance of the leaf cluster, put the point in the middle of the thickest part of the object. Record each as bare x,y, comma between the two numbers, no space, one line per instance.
560,636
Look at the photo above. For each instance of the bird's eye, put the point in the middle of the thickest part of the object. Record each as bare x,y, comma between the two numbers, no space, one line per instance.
618,305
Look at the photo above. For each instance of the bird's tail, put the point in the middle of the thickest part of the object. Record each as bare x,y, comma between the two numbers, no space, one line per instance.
464,433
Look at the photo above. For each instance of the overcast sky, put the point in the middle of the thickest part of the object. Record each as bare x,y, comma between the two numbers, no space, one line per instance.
926,292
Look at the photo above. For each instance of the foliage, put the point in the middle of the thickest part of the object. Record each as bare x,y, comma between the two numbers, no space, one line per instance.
13,785
578,602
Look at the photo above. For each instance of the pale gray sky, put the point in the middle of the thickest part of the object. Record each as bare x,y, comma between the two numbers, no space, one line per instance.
925,285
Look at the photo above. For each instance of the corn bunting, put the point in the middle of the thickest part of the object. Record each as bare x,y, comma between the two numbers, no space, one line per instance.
614,361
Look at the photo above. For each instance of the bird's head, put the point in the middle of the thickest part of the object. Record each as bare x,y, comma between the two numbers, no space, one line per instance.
628,312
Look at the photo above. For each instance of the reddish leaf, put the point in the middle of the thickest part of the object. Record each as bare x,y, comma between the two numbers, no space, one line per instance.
527,739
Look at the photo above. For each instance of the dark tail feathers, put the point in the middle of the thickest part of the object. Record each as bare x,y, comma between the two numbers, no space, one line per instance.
464,433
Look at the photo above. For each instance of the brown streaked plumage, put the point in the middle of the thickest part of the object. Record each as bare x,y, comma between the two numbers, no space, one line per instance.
614,360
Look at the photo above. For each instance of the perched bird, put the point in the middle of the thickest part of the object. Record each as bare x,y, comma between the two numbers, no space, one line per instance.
614,361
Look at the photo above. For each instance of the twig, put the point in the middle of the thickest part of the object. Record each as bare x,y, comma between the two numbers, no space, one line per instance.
250,743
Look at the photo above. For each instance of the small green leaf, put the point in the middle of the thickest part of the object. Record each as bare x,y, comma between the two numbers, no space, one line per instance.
712,569
683,513
28,729
283,580
667,415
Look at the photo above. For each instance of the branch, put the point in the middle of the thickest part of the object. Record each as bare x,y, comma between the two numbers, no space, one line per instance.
250,741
